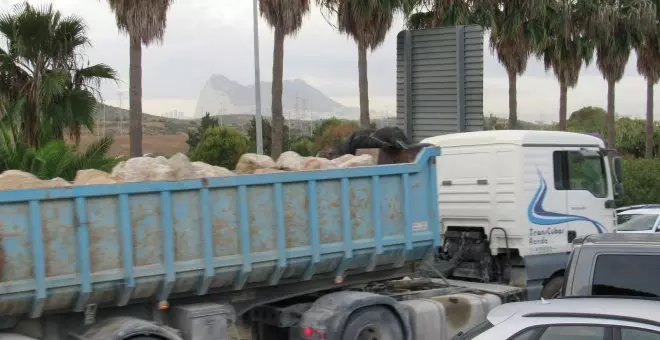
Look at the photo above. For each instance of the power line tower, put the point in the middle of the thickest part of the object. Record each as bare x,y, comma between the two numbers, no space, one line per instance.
120,114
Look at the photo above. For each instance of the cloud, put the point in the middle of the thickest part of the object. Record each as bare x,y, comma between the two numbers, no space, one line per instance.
206,37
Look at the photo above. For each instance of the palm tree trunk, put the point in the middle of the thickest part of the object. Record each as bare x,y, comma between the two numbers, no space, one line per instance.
611,127
513,100
650,145
563,91
277,132
363,79
135,97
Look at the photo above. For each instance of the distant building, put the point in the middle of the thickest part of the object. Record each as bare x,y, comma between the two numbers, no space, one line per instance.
173,114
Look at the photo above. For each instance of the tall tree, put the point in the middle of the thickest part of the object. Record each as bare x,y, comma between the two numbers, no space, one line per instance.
286,17
648,65
565,48
144,22
616,26
516,29
367,22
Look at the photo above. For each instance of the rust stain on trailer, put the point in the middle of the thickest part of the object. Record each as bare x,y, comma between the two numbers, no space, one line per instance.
103,226
360,206
296,207
225,238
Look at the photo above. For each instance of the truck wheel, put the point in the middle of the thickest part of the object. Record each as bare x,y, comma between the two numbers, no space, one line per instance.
553,288
373,323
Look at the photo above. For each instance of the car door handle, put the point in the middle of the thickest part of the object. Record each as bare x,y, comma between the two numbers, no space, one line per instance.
578,208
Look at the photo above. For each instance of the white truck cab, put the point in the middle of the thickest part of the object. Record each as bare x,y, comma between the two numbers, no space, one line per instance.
512,201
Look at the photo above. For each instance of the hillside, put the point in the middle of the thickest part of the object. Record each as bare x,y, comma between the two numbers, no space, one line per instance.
168,135
151,125
222,95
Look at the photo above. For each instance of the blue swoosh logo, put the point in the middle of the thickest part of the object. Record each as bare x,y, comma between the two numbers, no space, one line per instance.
537,215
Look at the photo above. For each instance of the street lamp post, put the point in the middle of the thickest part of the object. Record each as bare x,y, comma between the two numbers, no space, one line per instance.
257,80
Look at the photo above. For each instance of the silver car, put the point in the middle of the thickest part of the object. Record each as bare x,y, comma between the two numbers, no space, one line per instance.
584,318
638,221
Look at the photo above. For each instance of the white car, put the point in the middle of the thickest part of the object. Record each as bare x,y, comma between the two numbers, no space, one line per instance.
583,318
640,220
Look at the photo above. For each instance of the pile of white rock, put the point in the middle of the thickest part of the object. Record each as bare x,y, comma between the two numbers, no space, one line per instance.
179,167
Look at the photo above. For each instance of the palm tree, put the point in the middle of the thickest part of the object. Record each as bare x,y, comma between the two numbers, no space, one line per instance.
144,22
40,76
648,65
616,26
516,29
285,16
367,22
565,49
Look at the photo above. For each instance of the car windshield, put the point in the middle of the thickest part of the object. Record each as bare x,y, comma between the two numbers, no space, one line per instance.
474,331
636,222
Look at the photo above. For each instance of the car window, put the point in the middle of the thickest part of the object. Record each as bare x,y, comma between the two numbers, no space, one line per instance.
577,332
624,274
638,334
638,222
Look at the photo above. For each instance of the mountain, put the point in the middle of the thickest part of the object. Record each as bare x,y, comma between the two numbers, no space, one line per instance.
222,95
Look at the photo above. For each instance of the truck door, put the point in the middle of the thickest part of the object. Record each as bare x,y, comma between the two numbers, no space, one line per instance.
547,206
584,175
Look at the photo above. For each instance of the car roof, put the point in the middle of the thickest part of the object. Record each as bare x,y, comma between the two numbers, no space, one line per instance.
640,310
641,211
516,137
620,210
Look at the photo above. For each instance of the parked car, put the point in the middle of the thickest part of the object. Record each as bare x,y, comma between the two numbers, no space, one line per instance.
638,220
571,318
637,206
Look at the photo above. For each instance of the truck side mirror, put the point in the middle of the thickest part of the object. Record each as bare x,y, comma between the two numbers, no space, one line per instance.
618,190
618,176
618,169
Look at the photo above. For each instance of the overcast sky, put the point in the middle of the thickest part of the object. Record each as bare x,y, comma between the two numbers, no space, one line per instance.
204,37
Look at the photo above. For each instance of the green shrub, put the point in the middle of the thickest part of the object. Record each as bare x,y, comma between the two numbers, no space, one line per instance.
221,146
266,134
335,133
304,146
55,158
641,181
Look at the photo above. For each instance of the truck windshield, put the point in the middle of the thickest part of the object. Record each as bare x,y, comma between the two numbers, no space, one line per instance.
636,222
628,275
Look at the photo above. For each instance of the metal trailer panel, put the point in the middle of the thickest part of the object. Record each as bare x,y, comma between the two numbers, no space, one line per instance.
440,81
66,249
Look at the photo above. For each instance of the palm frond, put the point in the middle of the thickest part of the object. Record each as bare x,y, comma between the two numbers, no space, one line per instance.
145,20
284,15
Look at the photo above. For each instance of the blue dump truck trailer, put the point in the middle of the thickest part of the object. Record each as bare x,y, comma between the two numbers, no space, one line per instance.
325,254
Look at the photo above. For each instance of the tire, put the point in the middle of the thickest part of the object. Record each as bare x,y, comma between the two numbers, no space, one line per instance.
552,289
373,323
